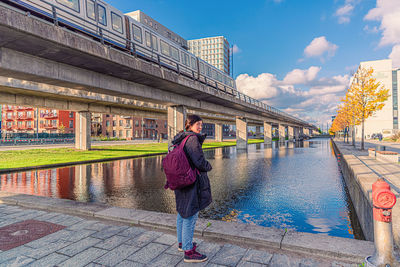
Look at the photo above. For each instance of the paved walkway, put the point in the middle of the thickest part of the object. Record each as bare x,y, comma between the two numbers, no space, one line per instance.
39,237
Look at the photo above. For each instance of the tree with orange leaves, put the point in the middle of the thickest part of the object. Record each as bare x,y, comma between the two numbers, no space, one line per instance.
366,96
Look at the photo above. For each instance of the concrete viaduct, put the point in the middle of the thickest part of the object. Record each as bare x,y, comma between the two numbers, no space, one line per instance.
45,65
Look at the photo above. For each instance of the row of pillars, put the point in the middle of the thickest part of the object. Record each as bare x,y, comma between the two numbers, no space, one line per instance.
176,122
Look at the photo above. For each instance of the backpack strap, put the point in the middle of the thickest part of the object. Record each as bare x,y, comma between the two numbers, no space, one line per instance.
186,138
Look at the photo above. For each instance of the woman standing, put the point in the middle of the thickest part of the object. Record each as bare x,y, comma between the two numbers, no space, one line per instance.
195,197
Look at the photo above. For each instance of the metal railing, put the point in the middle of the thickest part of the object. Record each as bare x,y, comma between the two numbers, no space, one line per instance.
162,61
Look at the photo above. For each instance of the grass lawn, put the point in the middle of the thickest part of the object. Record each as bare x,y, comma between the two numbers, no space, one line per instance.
38,157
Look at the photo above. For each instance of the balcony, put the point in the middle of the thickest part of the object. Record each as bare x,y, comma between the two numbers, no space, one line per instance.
49,126
128,126
50,116
9,108
11,118
19,108
126,117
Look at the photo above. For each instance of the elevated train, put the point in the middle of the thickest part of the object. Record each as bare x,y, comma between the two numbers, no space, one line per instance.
103,22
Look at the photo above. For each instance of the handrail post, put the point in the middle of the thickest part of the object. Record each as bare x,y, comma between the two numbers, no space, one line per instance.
55,20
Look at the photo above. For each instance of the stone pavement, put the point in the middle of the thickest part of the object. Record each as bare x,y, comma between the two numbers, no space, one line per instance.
92,241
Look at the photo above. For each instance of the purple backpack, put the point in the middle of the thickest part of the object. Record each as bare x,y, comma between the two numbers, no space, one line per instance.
177,168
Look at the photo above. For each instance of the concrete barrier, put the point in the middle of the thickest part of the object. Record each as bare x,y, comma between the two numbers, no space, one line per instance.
387,156
371,152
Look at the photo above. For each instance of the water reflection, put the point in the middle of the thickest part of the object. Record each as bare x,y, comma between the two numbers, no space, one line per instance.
296,186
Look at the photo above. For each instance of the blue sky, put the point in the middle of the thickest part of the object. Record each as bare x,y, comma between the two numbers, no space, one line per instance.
296,55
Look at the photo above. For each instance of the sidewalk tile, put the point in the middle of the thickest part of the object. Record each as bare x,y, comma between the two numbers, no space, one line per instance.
79,246
116,255
50,260
47,249
166,260
18,261
166,239
132,232
14,253
112,242
250,264
148,253
127,263
83,258
82,225
229,255
109,231
143,239
257,256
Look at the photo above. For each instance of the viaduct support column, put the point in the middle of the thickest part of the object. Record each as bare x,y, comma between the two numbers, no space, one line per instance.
176,121
258,131
82,130
241,133
218,132
281,130
296,133
267,133
290,133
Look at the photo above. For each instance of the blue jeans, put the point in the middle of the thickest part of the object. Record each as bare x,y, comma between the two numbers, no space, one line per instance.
185,230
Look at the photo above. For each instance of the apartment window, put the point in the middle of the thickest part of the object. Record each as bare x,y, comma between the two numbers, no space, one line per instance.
71,124
71,114
128,134
120,123
120,133
136,123
107,123
114,123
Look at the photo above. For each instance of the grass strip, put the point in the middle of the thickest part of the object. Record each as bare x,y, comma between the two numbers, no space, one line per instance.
38,157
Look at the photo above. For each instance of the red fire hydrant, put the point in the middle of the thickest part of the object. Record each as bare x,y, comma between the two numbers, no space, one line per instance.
383,201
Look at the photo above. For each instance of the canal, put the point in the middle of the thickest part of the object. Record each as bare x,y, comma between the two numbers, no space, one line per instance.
297,187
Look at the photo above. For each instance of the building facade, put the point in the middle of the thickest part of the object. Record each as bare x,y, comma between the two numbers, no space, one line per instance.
214,50
386,120
18,119
128,127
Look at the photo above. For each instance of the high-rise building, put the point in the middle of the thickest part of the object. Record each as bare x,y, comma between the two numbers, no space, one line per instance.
386,120
214,50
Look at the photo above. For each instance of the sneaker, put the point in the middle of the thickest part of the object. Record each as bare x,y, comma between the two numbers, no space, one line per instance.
180,246
194,256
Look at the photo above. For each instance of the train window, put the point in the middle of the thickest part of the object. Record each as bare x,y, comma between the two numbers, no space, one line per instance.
102,14
90,9
72,4
116,22
164,48
155,43
201,68
193,63
137,33
186,59
148,39
174,53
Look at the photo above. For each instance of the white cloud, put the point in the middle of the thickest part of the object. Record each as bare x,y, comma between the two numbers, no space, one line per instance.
395,56
343,13
316,100
319,47
262,86
236,49
388,13
298,76
371,30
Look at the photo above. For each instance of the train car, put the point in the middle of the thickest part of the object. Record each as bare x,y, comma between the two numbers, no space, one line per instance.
106,23
93,17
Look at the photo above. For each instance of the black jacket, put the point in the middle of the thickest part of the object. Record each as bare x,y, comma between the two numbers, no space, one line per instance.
195,197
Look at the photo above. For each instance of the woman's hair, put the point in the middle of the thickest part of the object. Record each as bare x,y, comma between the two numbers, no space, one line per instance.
190,120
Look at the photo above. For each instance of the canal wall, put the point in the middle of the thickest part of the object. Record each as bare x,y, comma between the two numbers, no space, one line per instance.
359,179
